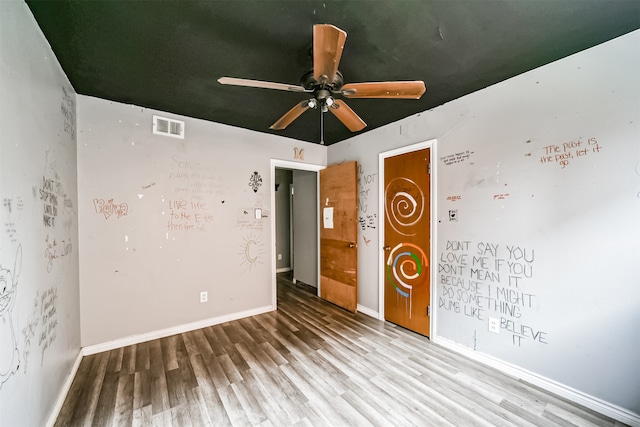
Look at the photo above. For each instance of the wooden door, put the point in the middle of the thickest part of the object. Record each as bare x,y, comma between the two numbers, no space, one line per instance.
407,240
338,235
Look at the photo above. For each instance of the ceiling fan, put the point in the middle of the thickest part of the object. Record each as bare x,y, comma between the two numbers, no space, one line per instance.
324,81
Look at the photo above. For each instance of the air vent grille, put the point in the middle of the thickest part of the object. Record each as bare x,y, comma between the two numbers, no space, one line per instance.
168,127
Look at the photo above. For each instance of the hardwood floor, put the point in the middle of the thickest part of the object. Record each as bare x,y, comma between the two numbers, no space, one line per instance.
307,364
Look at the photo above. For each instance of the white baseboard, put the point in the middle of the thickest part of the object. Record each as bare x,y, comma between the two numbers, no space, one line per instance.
591,402
137,339
53,416
283,269
365,310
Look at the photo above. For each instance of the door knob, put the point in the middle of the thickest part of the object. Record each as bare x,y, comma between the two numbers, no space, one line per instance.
387,248
352,245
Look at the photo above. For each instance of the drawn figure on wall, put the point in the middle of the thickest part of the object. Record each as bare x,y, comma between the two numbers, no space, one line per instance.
252,251
9,354
405,266
255,182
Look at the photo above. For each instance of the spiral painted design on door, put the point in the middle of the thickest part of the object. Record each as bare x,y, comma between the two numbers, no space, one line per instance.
404,205
406,269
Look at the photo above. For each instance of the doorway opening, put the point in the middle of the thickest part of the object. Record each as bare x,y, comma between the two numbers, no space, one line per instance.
294,223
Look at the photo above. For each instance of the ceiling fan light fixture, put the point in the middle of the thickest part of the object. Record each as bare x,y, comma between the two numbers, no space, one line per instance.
329,101
312,103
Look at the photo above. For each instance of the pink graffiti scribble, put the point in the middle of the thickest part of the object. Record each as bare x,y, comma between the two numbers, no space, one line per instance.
109,208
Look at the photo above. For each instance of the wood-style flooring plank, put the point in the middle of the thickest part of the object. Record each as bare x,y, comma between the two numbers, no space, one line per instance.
250,405
309,363
175,388
123,415
142,356
87,404
106,404
76,391
128,360
217,374
196,407
142,416
208,390
158,380
233,407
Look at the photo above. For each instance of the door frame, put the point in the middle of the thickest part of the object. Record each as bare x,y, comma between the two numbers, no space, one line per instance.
431,144
287,164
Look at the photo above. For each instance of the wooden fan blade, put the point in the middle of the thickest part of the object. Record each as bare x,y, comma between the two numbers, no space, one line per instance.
291,115
259,83
397,90
347,116
328,43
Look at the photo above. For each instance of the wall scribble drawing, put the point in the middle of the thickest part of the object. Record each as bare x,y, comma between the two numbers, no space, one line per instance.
482,280
188,216
48,320
49,192
14,207
109,208
9,354
565,153
255,182
68,112
366,182
452,159
252,251
30,331
13,204
54,250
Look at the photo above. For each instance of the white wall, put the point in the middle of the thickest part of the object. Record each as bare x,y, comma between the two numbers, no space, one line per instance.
133,184
305,227
39,293
577,221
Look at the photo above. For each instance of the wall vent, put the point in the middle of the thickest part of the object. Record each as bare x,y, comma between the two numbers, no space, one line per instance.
168,127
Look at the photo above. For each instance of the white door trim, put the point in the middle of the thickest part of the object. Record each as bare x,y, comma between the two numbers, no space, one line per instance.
431,144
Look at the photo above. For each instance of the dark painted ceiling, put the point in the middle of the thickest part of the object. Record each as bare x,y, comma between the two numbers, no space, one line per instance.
168,55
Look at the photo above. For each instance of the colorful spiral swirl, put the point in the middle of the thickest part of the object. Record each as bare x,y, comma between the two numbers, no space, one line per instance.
405,264
403,209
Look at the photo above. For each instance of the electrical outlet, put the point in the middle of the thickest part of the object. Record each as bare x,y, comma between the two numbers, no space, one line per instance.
494,325
279,257
204,296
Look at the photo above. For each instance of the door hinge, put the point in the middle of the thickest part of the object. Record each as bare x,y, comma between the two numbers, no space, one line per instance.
429,168
428,310
292,191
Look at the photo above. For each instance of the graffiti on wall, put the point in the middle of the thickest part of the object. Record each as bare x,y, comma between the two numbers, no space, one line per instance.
490,282
108,208
10,356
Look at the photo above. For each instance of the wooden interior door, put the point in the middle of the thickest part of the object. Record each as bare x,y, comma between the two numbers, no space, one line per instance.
338,235
407,287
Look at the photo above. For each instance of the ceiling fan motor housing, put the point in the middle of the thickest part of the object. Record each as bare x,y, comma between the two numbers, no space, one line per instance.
309,82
